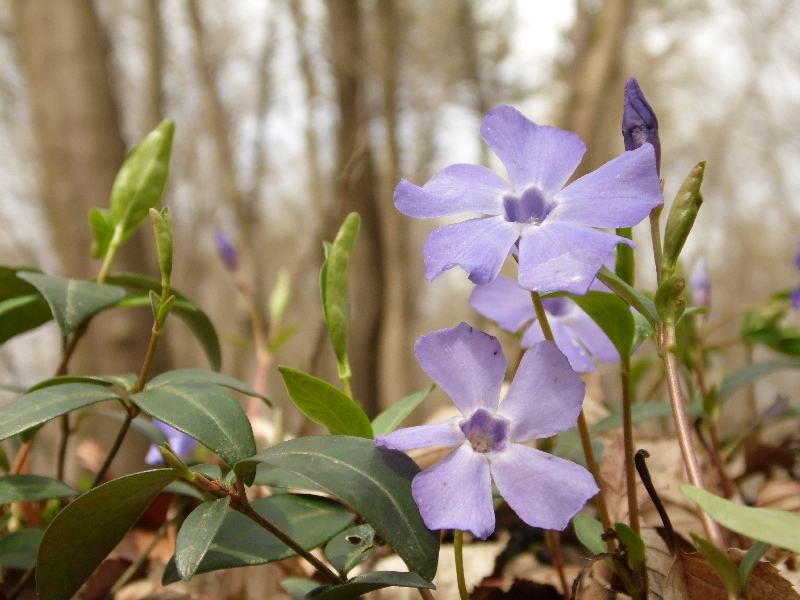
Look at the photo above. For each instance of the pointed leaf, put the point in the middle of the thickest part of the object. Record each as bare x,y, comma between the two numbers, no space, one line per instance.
374,481
590,533
83,534
18,549
613,315
298,587
777,527
196,376
309,520
40,406
634,546
73,301
390,419
25,488
326,405
369,582
643,305
196,534
350,548
125,381
750,561
725,568
273,476
22,307
750,373
102,231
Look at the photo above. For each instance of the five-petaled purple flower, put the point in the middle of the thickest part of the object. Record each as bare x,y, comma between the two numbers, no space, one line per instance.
544,399
575,333
549,226
180,443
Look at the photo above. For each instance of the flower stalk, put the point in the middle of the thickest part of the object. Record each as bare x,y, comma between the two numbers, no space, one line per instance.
458,549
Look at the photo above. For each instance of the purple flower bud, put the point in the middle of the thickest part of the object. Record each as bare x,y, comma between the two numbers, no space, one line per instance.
639,122
226,250
700,284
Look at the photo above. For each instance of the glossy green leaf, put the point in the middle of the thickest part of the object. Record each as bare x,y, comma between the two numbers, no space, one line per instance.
309,520
125,381
22,307
197,533
83,534
40,406
335,290
298,587
198,376
162,226
273,476
727,570
350,548
369,582
326,405
613,315
18,549
590,533
390,419
750,373
102,231
643,305
25,488
749,562
777,527
73,301
201,409
182,488
374,481
141,180
634,546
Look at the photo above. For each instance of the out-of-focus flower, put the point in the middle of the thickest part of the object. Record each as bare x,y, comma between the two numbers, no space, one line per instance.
181,444
700,284
575,333
794,295
226,250
639,122
549,226
544,399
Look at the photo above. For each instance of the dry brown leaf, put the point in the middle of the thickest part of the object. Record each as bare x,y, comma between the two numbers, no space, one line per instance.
780,494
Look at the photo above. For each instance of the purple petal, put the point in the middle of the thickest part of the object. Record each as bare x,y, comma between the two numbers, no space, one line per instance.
153,456
456,493
533,335
545,397
479,246
794,296
619,194
563,257
456,189
544,490
503,301
593,337
578,356
182,444
466,363
445,433
534,155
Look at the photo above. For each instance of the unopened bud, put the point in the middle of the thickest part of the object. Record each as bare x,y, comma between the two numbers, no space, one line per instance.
639,122
681,218
226,250
700,284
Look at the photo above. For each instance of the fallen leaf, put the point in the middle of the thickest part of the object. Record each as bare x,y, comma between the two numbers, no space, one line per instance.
780,494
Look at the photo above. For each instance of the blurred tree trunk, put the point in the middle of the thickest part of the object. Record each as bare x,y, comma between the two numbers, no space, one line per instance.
357,188
469,40
64,53
155,57
595,78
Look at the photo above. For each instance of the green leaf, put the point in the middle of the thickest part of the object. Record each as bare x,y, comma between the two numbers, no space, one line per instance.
643,330
40,406
590,533
326,405
613,315
723,565
309,520
141,180
644,411
25,488
335,291
196,319
18,549
73,301
390,419
125,381
374,481
22,307
162,225
369,582
273,476
197,533
298,587
184,489
202,410
350,548
750,373
749,562
643,305
634,546
102,231
625,264
83,534
198,376
777,527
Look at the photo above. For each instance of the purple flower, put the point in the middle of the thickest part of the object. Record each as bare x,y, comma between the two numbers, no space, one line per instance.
794,295
180,443
550,227
639,122
576,334
700,284
226,250
544,399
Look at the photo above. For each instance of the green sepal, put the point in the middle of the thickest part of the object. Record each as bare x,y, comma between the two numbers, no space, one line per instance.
682,215
670,302
174,461
155,303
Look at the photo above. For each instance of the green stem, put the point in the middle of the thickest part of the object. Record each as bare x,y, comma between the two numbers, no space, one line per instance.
347,389
627,429
655,234
111,253
458,548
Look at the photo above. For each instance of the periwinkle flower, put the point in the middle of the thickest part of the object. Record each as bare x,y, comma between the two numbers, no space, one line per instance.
700,284
544,399
226,250
639,122
549,226
180,443
575,333
794,295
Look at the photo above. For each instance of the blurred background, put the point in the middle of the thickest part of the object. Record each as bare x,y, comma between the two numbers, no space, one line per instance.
291,113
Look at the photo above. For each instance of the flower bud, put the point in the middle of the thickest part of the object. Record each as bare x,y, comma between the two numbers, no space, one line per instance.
681,218
700,284
639,122
226,250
